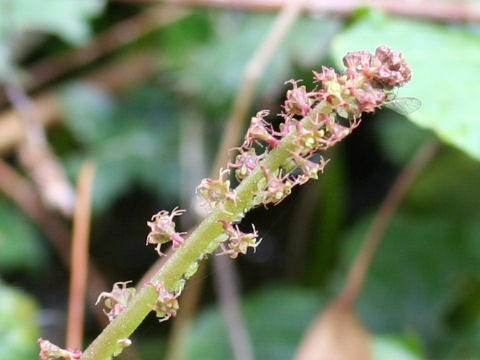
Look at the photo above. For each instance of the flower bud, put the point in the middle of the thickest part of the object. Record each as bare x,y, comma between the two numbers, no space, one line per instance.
118,299
49,351
162,229
166,304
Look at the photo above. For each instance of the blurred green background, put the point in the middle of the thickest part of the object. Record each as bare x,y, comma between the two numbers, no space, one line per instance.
154,137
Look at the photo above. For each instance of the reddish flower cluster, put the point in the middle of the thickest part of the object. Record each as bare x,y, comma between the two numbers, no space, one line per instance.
49,351
117,300
329,113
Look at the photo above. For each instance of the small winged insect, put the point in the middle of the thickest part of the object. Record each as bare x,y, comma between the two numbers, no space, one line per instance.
403,105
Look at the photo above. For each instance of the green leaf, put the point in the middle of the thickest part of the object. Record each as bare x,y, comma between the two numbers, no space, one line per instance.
448,187
414,279
396,348
20,245
134,140
445,61
88,111
398,138
67,19
18,325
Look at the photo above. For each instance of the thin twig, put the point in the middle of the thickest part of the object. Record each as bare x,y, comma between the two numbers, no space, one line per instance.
119,35
432,10
37,157
359,269
226,281
79,257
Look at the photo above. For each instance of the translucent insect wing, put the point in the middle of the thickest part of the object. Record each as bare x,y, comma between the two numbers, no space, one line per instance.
404,105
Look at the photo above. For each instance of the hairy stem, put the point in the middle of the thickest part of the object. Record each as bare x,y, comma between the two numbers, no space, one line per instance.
201,241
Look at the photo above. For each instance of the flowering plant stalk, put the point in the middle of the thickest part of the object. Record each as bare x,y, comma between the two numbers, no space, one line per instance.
268,165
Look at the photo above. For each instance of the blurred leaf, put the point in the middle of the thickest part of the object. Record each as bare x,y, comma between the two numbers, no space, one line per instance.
448,186
67,19
415,276
214,70
465,345
134,141
88,111
20,246
18,326
396,348
276,318
399,139
446,68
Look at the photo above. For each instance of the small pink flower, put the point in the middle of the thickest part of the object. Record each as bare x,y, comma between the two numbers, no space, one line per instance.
166,304
49,351
276,189
238,242
299,101
259,130
217,192
245,162
118,299
309,168
357,62
327,75
162,229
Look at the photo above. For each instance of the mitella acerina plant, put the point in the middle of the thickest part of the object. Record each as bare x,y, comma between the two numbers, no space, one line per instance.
267,166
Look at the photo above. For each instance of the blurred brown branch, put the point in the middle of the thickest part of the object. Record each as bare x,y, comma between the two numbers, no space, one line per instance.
37,157
433,10
79,257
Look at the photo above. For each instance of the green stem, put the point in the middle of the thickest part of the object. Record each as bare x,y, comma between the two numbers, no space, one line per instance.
194,248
